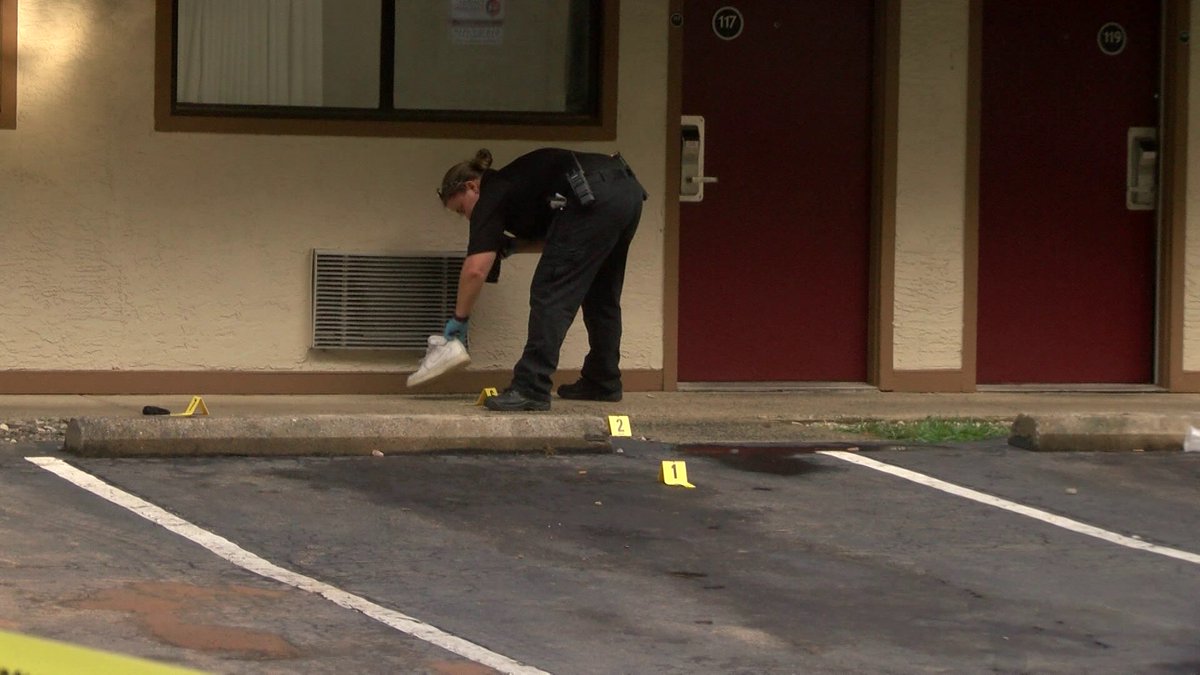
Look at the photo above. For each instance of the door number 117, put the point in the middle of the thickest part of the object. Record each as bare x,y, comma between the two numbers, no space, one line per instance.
727,23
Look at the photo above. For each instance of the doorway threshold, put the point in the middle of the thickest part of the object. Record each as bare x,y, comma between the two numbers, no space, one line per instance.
774,386
1073,388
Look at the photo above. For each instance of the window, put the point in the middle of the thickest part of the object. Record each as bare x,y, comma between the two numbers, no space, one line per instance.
8,64
471,68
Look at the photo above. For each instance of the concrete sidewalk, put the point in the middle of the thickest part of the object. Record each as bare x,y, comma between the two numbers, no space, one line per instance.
114,425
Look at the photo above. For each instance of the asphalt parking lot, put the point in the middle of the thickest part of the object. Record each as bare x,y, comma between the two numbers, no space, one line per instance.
781,560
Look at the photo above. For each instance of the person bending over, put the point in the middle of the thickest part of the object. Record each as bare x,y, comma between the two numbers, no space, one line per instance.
580,210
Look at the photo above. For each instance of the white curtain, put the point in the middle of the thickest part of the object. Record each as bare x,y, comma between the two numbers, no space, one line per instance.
257,52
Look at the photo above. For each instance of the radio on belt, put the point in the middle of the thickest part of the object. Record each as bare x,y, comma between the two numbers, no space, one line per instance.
579,184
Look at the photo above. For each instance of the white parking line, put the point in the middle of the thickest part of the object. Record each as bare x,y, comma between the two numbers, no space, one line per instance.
1037,514
253,563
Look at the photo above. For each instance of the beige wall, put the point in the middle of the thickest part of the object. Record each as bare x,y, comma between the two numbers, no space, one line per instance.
131,249
931,185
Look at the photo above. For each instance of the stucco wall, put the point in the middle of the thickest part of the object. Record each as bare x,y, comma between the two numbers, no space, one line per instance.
131,249
931,185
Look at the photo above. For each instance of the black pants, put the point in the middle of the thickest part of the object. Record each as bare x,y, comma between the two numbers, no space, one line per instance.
582,265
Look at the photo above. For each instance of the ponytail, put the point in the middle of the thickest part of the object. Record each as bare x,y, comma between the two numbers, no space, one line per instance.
482,161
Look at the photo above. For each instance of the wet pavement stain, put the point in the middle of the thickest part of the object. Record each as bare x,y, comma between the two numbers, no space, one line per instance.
160,607
778,460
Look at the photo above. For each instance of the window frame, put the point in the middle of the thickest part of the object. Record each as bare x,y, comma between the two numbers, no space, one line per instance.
8,64
532,126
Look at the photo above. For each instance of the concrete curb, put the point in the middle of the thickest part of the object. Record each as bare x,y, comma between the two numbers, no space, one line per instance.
1102,433
331,434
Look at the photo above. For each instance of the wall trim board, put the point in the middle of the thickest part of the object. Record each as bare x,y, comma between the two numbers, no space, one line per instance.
671,202
1169,371
123,382
930,381
1185,382
8,64
881,368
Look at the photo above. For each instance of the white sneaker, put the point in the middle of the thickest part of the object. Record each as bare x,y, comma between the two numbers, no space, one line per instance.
441,357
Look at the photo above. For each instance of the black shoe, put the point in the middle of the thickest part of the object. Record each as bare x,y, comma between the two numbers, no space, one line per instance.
585,390
513,400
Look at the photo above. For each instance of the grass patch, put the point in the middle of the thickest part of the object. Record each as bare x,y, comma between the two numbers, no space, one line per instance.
932,429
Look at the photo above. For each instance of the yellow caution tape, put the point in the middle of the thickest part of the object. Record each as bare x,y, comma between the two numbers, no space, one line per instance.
21,655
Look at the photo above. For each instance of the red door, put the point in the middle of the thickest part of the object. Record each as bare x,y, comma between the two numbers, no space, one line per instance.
774,262
1066,268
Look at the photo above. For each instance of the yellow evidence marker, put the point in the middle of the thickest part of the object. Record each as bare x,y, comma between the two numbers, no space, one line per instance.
196,407
674,473
484,395
618,425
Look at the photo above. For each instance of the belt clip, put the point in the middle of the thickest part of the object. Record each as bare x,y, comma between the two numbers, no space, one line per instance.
624,165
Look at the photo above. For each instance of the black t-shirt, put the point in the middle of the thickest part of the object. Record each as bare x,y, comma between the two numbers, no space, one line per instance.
517,198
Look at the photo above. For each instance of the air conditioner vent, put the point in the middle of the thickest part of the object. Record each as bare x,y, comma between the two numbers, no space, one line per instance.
381,301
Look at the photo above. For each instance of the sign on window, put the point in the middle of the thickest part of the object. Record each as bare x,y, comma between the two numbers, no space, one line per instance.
477,22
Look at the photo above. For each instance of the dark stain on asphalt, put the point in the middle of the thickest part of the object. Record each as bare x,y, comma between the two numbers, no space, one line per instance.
777,460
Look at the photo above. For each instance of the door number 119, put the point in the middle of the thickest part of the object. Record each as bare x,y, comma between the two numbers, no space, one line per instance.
1112,38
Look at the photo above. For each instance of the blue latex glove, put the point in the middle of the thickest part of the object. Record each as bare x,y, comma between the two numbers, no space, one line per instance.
456,330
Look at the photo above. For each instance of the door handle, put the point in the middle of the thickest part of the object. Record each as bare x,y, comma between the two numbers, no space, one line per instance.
691,159
1141,169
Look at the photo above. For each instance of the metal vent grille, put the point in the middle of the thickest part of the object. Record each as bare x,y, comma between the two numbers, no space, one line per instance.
381,301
